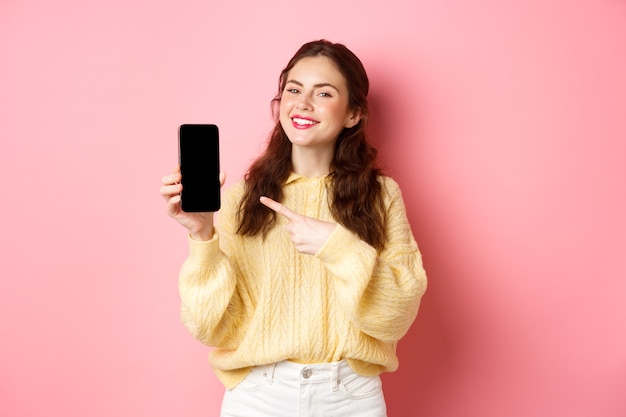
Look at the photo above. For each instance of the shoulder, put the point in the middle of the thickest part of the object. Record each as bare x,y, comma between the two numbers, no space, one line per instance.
390,187
235,190
388,182
231,197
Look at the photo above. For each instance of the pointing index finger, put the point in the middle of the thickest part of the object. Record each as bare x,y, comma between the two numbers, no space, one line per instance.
278,208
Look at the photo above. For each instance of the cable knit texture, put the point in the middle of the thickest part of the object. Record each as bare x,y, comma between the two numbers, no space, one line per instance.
260,301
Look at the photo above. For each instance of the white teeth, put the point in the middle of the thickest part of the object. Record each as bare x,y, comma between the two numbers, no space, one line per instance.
303,121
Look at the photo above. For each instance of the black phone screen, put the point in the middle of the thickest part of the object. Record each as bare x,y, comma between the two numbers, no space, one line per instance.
198,150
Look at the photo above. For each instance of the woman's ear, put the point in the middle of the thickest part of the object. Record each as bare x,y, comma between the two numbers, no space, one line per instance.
354,117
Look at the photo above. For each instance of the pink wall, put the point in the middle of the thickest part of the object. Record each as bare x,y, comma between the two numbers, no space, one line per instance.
504,121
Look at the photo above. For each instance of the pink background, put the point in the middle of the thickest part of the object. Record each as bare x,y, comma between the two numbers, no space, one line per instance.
503,121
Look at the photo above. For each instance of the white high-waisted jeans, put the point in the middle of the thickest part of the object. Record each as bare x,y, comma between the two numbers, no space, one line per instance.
289,389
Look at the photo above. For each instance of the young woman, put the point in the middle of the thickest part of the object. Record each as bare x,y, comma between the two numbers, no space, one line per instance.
312,274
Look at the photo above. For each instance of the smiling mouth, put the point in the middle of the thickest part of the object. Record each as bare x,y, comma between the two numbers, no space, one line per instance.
303,122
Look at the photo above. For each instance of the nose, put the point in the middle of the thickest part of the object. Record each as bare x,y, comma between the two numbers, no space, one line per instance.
303,103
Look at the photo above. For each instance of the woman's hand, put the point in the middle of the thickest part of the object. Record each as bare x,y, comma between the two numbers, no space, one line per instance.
307,234
199,225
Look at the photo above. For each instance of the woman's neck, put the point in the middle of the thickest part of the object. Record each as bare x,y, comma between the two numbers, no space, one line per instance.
311,162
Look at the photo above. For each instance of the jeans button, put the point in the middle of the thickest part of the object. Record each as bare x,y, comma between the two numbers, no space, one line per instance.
306,374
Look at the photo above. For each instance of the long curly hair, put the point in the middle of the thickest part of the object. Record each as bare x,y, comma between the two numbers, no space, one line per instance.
355,192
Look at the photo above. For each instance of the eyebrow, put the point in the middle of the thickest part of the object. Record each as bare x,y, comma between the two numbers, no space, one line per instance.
315,86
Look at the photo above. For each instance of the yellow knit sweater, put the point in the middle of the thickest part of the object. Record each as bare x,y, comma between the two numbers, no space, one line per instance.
260,301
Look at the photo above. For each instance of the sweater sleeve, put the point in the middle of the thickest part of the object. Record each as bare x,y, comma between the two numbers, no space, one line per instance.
212,305
379,292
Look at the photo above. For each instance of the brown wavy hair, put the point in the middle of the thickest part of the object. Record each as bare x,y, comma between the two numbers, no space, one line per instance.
355,192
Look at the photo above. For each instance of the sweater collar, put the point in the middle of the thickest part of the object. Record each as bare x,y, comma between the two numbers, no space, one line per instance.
293,177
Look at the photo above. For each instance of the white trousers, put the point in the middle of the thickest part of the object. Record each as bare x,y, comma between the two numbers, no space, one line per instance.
289,389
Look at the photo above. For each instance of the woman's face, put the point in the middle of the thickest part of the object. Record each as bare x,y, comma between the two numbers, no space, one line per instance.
314,103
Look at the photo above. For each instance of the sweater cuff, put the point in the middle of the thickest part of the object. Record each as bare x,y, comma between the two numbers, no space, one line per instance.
344,248
204,252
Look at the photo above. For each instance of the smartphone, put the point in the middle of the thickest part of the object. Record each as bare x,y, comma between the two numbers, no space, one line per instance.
198,152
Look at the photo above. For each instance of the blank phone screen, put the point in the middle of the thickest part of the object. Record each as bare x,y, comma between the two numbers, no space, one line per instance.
199,165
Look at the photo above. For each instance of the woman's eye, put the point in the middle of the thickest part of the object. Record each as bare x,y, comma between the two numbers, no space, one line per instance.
324,94
292,90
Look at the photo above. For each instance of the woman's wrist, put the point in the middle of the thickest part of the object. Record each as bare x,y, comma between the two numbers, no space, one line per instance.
202,234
